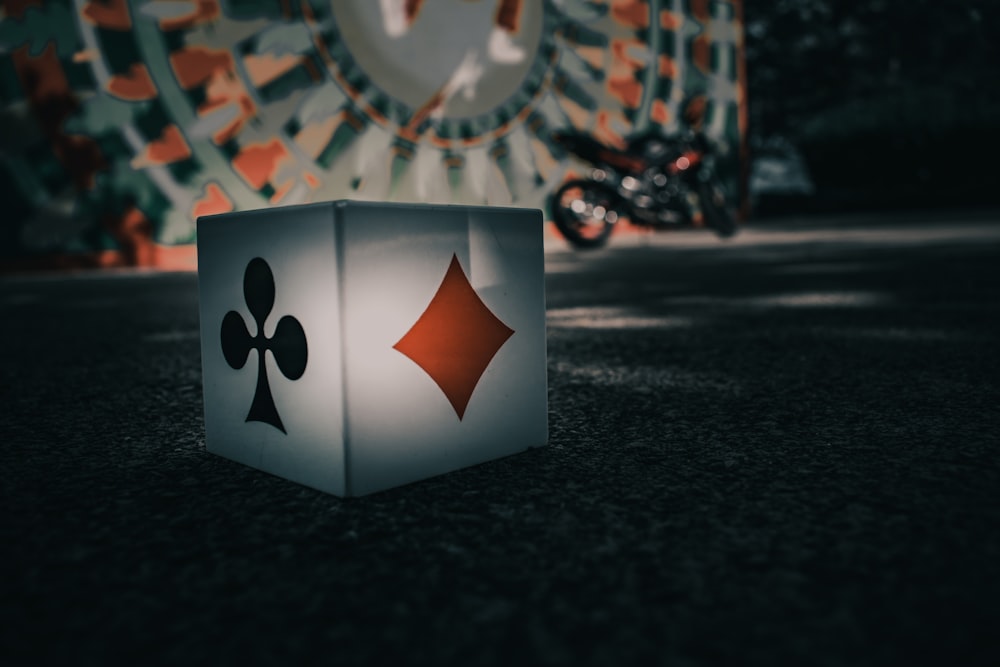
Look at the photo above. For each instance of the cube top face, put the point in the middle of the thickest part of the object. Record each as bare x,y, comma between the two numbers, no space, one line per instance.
424,330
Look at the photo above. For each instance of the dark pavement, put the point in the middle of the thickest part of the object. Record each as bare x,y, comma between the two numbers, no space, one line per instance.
779,450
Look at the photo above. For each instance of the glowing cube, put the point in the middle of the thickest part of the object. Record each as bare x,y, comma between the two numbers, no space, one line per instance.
353,347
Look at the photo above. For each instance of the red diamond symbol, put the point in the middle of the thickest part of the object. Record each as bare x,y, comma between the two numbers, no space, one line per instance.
456,338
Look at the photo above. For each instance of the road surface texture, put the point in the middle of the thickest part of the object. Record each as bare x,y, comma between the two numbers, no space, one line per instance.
781,449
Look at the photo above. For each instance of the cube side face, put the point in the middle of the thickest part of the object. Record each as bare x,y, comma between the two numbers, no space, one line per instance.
468,383
275,268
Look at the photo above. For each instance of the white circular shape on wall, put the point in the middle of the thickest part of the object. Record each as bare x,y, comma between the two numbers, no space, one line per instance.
455,46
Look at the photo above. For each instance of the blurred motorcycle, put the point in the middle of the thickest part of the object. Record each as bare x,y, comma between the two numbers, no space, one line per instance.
657,181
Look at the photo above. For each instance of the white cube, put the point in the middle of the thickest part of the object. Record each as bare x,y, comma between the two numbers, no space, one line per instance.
353,346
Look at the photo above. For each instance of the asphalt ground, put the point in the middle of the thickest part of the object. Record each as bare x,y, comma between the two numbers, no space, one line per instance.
781,449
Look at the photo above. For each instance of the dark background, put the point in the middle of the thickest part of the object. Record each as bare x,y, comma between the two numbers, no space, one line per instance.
892,103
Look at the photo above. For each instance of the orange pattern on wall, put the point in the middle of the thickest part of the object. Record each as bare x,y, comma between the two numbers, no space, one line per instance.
134,86
110,14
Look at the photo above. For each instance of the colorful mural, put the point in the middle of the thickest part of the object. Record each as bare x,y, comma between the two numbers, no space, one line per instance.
125,120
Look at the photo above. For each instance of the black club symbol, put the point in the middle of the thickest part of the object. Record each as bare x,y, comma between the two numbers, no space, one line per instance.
288,345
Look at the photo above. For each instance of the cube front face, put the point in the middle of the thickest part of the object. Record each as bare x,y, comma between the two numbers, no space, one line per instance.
425,328
301,437
402,424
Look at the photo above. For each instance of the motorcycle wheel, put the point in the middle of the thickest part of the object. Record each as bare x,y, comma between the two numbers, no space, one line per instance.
712,198
584,212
